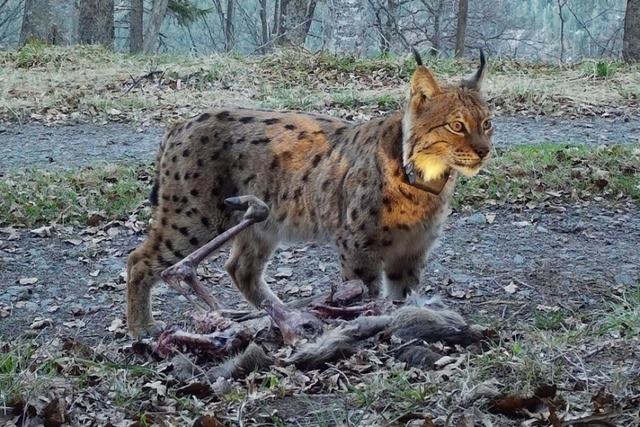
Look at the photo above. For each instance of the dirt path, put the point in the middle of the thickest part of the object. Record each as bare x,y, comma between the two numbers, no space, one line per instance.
61,147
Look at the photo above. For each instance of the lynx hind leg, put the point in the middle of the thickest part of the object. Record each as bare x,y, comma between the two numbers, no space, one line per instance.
143,271
249,255
167,244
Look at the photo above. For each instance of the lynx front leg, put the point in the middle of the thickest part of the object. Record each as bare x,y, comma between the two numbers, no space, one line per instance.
362,265
402,275
249,255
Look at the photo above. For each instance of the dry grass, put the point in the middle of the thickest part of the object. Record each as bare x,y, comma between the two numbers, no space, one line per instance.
83,83
586,354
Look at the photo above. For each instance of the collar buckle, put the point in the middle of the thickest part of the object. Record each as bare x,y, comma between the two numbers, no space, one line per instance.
434,186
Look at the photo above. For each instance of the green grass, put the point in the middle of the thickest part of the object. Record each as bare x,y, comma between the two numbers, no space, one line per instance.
287,99
622,316
537,172
355,99
37,197
527,173
550,321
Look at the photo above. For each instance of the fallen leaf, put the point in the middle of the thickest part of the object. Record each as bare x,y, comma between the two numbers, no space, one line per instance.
41,324
208,421
443,361
116,324
602,400
94,219
513,405
157,386
74,324
197,389
55,413
44,231
511,288
283,272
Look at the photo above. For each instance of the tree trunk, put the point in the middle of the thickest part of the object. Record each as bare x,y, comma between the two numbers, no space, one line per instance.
96,22
51,21
158,11
228,27
561,4
264,26
386,20
136,19
277,19
296,17
436,38
348,27
631,39
461,27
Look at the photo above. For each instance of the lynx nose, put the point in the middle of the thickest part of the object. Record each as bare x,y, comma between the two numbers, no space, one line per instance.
482,151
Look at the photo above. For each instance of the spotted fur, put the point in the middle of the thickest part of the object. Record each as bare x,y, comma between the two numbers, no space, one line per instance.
324,179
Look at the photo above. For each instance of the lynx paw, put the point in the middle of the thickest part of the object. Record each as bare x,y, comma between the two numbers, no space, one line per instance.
148,330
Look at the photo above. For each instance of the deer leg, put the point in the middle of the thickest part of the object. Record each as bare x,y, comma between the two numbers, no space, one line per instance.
185,270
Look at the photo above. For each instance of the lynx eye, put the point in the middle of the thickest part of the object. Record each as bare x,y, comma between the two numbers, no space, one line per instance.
457,126
487,125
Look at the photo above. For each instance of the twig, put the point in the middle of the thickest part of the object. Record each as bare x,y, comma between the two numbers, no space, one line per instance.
137,81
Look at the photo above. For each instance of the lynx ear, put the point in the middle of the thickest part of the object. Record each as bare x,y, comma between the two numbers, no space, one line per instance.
424,83
475,82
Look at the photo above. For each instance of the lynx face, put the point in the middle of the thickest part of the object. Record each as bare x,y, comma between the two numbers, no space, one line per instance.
446,128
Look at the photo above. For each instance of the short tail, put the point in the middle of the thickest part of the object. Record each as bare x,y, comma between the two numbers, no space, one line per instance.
153,196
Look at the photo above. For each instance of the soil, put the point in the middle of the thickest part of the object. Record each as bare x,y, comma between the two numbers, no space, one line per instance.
62,147
569,256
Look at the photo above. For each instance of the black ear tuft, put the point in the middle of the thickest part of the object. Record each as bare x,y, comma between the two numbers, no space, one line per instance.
475,82
416,55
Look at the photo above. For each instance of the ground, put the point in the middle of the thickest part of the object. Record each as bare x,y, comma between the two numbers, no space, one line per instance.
542,248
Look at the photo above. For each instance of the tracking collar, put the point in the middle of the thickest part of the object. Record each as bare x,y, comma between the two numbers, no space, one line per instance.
433,186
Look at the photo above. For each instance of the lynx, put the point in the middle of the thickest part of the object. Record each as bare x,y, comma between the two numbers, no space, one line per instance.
378,191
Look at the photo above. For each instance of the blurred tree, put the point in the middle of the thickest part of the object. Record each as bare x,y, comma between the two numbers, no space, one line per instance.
96,22
435,9
631,39
348,27
158,12
561,5
226,15
461,27
51,21
264,27
292,19
386,14
136,26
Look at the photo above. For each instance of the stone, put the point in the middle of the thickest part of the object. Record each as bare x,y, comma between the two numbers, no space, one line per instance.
477,219
624,279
